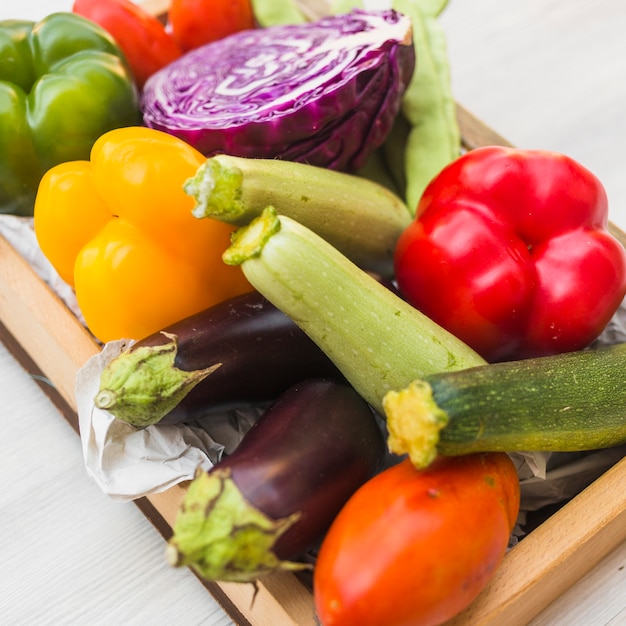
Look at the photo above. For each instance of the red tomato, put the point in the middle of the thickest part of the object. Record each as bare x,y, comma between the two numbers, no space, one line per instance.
415,547
141,36
194,23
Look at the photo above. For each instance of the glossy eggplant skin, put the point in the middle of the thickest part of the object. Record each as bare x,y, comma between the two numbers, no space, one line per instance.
315,445
271,501
262,352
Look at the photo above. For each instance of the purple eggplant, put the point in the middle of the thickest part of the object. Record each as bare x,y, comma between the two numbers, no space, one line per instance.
272,500
241,352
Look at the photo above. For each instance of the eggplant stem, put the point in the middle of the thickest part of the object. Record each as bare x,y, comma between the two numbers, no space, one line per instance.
141,386
222,536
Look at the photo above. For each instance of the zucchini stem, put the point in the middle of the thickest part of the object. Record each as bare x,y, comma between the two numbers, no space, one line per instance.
378,341
568,402
415,423
358,216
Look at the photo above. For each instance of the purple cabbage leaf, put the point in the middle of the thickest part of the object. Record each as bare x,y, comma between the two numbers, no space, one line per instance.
325,93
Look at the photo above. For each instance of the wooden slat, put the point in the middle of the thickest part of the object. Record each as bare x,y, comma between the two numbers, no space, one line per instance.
156,7
554,556
41,323
475,133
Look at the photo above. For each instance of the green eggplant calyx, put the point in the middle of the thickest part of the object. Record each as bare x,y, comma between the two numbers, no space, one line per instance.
248,241
141,386
216,188
414,421
222,536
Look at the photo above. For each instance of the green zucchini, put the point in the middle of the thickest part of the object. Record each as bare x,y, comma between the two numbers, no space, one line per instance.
378,341
360,217
437,394
565,403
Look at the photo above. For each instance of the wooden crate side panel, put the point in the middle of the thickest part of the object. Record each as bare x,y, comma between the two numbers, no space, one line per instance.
476,134
158,8
41,323
532,575
555,556
277,599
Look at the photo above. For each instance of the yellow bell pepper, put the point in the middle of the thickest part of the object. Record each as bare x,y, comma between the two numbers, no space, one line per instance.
119,229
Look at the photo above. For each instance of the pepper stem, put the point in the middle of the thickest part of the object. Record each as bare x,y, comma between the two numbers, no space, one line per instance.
414,421
224,537
141,386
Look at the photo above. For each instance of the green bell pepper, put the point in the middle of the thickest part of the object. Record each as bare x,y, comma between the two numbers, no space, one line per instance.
63,83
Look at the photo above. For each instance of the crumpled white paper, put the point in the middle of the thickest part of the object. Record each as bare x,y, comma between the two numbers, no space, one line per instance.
567,474
559,476
128,463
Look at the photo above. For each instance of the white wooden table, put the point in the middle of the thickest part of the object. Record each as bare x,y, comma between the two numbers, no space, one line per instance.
543,73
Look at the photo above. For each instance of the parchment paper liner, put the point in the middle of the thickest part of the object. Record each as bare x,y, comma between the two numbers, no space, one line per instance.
127,463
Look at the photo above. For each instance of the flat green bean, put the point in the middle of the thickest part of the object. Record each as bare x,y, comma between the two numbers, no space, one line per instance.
425,136
434,138
275,12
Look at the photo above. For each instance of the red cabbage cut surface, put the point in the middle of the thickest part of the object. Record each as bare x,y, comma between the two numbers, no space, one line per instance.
324,93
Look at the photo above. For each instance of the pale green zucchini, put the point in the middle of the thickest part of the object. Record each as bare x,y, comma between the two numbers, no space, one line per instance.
361,218
394,356
377,340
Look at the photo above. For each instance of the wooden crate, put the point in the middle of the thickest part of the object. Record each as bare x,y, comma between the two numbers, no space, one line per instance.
49,341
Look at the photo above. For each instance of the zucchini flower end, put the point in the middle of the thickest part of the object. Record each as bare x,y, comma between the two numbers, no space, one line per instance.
414,421
216,188
222,536
141,386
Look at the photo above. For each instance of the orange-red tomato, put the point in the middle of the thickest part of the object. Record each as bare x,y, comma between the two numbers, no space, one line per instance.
141,36
194,23
415,547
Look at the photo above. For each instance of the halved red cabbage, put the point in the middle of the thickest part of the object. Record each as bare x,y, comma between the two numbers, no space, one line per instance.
325,92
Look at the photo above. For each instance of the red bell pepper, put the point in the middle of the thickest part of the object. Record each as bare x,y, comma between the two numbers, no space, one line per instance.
510,251
142,37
